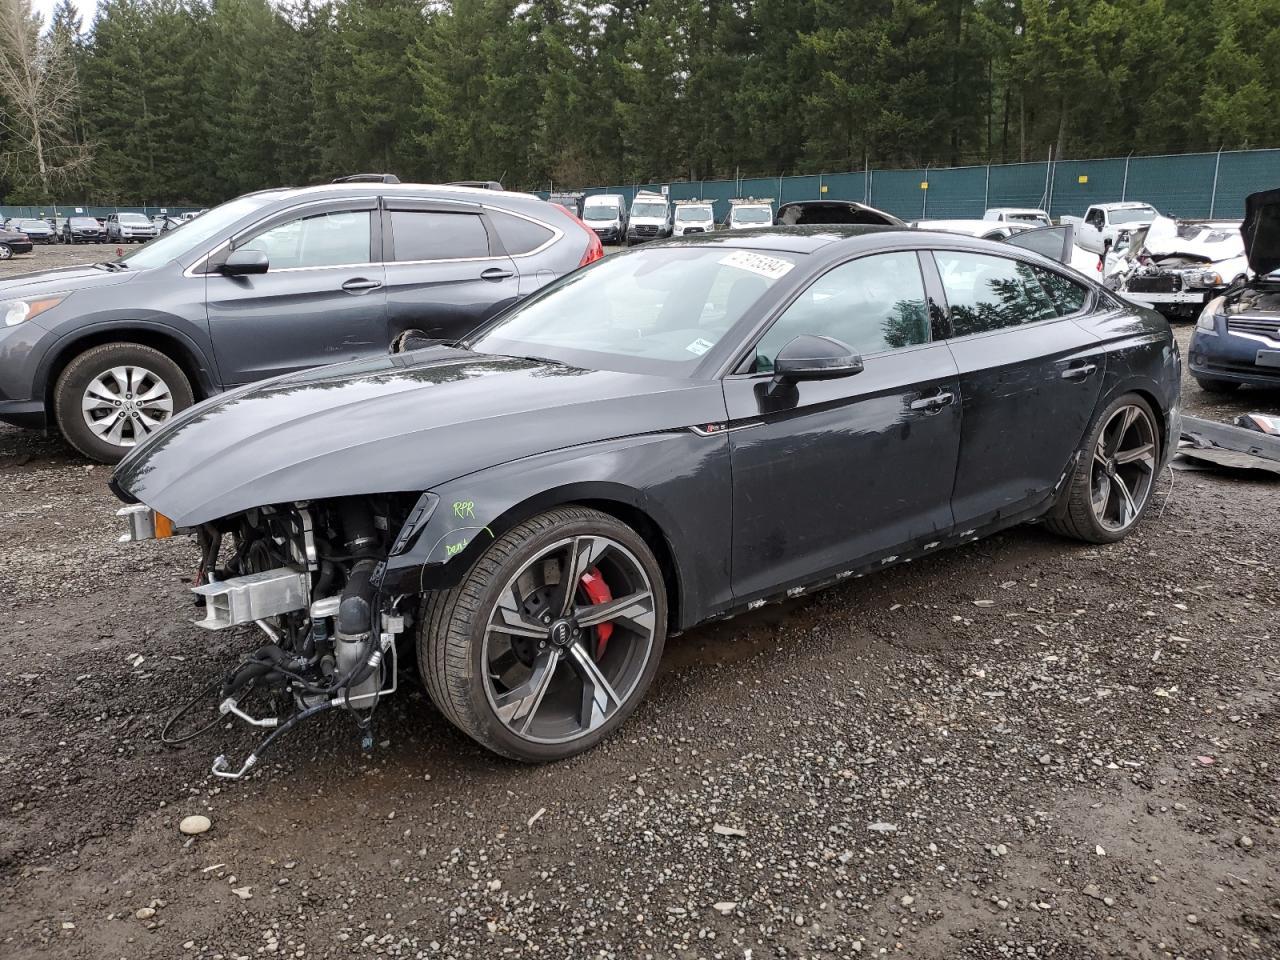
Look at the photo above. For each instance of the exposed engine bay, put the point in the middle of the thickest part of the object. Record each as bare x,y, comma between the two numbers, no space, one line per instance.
304,576
1177,266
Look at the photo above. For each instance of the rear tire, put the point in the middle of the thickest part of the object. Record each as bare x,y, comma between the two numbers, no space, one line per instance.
1209,385
6,252
89,388
483,677
1110,489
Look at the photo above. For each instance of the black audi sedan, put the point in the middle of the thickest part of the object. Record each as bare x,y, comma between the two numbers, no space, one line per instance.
675,434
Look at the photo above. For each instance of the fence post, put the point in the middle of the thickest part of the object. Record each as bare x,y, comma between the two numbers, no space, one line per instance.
1124,185
1048,175
924,203
986,191
1213,197
819,197
871,184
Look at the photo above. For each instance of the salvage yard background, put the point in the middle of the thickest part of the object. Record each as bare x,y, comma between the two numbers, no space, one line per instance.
1026,746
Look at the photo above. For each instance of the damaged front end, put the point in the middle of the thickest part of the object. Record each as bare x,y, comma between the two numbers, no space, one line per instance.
1178,266
306,576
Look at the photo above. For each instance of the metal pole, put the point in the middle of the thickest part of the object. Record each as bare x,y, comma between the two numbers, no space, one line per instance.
924,203
819,197
986,192
1124,187
1048,173
1213,197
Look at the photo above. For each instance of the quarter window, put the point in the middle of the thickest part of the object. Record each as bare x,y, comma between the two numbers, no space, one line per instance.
518,234
434,235
990,293
1067,295
324,240
873,304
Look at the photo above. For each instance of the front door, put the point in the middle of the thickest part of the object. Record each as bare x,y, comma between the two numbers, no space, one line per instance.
1030,378
322,299
831,473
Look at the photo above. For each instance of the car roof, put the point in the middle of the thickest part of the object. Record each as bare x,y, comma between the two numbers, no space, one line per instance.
804,239
395,189
1125,205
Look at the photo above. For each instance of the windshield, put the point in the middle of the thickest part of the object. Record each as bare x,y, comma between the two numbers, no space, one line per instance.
133,218
175,243
752,215
83,222
27,224
653,311
685,214
600,211
1133,216
648,209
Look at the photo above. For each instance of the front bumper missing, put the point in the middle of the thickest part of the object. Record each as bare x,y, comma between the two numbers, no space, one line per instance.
252,597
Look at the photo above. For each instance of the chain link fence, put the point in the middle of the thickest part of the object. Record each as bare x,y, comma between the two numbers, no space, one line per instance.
1192,185
48,211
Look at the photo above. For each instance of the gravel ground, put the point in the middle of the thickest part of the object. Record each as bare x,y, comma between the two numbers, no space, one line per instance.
1024,747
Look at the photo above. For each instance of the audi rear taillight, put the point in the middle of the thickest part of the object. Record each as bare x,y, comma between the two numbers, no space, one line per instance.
595,249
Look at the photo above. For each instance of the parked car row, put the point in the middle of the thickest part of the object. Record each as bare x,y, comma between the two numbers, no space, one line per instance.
113,228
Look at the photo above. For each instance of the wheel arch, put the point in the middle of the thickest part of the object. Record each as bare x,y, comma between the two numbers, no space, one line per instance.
172,344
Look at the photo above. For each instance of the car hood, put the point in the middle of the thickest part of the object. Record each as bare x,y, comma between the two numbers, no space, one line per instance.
1167,237
1261,231
61,281
402,423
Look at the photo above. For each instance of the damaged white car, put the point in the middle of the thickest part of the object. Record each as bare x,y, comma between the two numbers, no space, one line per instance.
1177,266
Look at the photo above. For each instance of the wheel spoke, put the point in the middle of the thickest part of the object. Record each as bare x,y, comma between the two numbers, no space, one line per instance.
99,389
598,698
635,610
92,401
136,376
1143,455
1102,496
583,554
121,376
510,619
144,424
158,393
1128,510
517,706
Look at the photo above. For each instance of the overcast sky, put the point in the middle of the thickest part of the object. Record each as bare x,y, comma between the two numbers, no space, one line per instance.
86,8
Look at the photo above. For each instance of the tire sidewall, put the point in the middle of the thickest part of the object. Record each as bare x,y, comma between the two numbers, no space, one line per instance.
75,379
506,741
6,252
1105,534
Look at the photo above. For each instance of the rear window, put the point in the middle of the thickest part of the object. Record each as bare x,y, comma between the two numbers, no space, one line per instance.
519,235
432,235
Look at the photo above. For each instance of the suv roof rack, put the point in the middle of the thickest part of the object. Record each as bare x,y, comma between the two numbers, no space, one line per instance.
752,200
367,178
481,184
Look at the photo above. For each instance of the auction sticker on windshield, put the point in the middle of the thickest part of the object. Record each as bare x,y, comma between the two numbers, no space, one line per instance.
764,265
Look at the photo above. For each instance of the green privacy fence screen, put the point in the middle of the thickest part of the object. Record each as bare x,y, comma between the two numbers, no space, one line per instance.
1192,185
49,210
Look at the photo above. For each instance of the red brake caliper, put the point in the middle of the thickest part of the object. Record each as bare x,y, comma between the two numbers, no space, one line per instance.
598,592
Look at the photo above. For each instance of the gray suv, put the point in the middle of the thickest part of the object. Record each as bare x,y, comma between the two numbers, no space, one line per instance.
265,284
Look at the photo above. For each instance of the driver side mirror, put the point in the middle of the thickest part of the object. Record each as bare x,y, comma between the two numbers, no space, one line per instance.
242,263
815,358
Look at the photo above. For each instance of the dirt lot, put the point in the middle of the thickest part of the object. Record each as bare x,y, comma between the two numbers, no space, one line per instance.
1025,747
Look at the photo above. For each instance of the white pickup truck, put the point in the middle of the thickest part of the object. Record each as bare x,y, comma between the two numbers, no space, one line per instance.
1105,224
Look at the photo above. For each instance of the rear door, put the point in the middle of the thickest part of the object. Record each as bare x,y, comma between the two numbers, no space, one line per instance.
1029,375
447,271
1056,243
321,301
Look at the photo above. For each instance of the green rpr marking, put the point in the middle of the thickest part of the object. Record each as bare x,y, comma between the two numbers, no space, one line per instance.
464,509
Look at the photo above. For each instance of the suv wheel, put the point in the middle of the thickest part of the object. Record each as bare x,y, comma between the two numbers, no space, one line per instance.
551,639
113,396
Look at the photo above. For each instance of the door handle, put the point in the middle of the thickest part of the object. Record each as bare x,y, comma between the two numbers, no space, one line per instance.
932,402
496,273
1079,373
360,284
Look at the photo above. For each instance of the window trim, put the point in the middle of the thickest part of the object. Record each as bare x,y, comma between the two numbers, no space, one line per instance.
494,245
946,304
748,352
200,266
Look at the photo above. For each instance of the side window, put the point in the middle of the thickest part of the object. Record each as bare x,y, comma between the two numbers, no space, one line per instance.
1094,219
519,235
1067,295
431,235
323,240
873,304
990,293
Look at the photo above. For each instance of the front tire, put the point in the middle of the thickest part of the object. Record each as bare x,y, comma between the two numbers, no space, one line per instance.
6,252
113,396
1111,486
536,672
